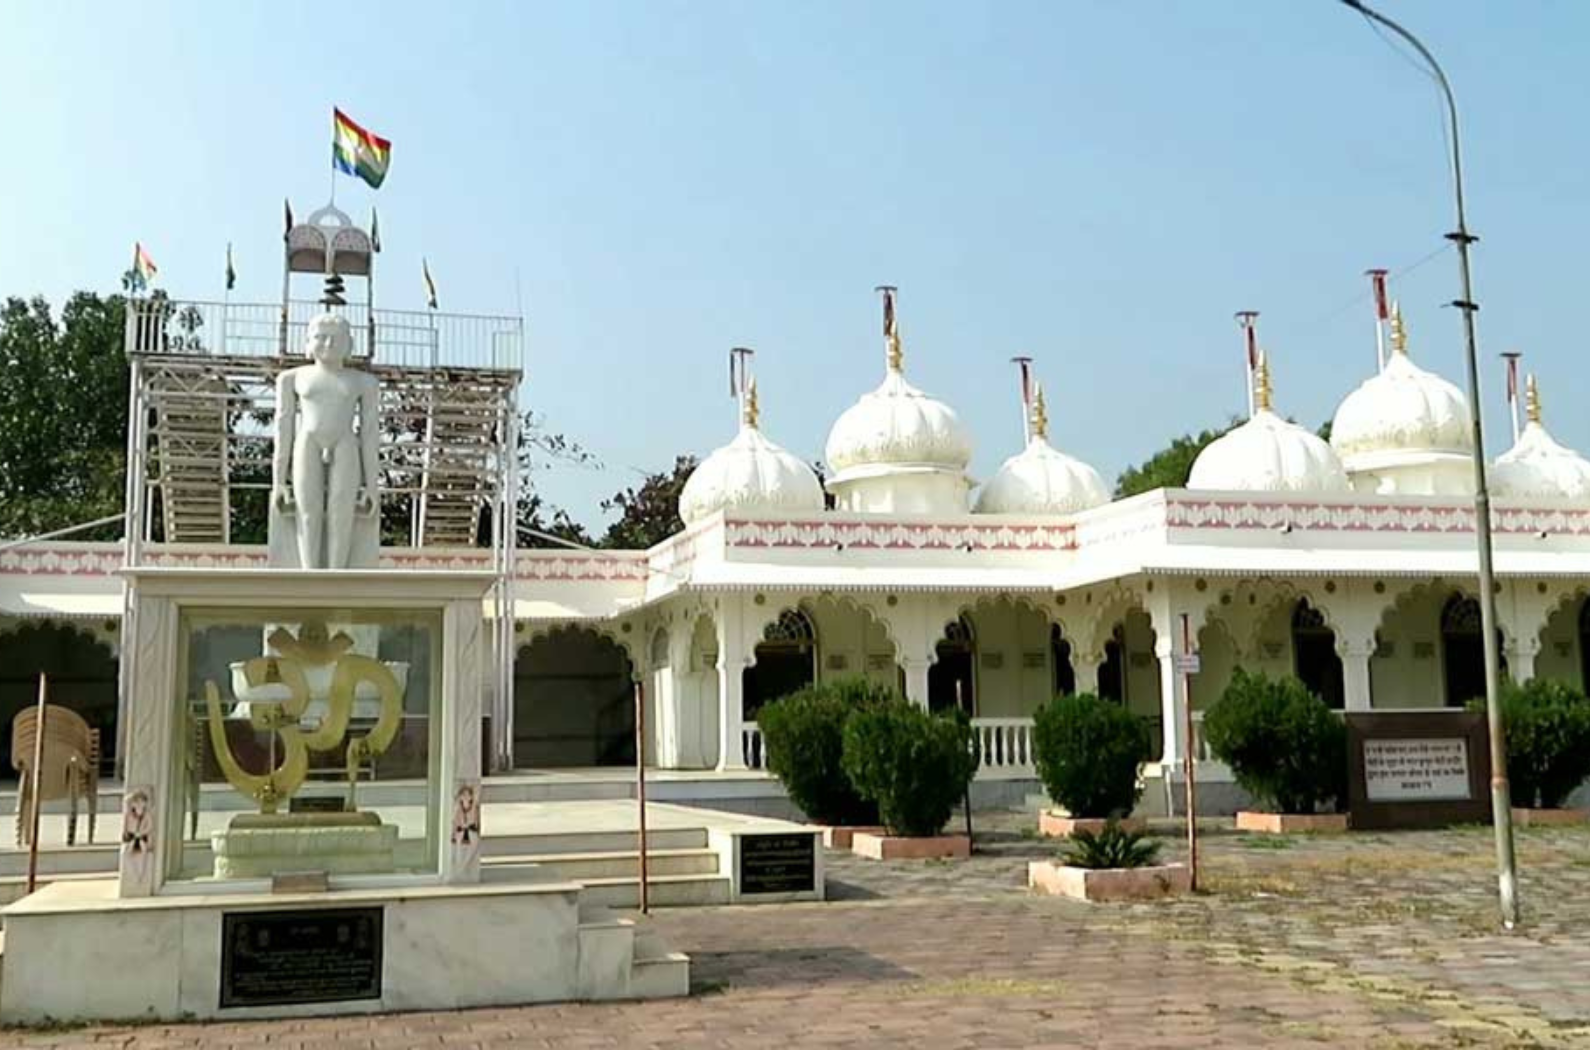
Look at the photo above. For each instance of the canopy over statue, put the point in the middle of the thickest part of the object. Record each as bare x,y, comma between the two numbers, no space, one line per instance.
325,494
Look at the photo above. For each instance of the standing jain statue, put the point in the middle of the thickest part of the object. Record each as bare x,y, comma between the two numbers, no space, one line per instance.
324,474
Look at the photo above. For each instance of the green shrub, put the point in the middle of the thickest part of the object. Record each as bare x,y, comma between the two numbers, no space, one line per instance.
1088,751
1283,744
1114,847
804,733
914,765
1547,724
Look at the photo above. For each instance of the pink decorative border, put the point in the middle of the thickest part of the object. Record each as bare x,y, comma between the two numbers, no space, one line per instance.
885,535
1182,512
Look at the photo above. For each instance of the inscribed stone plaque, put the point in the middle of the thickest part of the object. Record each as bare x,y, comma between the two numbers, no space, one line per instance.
320,955
778,863
1415,770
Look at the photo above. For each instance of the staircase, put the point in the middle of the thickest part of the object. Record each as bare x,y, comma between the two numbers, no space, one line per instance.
188,453
681,869
463,438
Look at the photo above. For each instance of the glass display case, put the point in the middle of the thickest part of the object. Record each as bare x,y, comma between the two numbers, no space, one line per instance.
320,729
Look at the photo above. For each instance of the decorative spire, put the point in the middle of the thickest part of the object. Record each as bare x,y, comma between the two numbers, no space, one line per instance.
751,414
1399,334
1039,419
1531,399
1261,383
894,354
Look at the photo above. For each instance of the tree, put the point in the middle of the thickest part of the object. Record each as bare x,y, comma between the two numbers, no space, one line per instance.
63,414
1169,467
649,514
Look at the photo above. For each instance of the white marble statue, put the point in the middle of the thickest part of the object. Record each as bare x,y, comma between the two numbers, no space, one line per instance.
324,473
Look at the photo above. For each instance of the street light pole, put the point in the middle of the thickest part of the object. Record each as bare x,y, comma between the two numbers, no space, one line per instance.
1501,803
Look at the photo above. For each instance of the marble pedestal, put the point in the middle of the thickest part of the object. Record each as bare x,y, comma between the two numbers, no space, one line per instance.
259,845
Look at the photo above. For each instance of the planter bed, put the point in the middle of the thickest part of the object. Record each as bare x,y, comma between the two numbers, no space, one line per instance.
841,836
1291,823
1549,818
1058,825
902,847
1108,884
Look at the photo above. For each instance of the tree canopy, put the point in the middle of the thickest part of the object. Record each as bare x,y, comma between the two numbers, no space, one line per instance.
63,414
1169,467
648,513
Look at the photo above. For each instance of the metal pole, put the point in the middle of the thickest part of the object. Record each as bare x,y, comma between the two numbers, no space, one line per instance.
1188,765
640,786
966,797
36,779
1501,802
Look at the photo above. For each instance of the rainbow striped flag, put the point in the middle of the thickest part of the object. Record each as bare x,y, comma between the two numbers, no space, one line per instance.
357,151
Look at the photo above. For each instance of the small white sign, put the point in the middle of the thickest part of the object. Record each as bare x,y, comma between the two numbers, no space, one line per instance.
1188,663
1431,770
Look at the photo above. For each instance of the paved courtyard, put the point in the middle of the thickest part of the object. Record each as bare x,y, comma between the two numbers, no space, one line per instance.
1378,941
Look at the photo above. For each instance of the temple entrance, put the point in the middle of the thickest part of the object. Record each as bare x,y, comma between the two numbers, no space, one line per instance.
1314,657
574,702
1462,654
1112,672
82,672
786,661
1584,645
954,670
1065,675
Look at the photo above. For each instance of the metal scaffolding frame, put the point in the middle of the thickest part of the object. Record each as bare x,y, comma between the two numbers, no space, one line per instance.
201,433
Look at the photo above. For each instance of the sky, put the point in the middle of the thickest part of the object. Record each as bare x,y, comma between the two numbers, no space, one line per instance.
1098,184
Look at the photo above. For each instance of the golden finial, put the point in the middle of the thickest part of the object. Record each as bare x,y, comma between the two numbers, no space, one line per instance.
1531,399
894,351
751,414
1399,334
1261,383
1038,419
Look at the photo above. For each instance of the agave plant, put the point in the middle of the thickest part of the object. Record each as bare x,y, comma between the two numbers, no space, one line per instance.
1114,847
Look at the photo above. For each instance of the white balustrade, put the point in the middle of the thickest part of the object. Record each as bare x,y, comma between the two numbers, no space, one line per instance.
1004,746
751,746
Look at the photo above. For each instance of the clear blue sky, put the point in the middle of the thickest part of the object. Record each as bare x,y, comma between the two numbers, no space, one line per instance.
1098,184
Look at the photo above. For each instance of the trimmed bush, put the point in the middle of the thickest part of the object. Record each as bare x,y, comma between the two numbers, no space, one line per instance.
805,737
914,765
1088,752
1283,744
1547,724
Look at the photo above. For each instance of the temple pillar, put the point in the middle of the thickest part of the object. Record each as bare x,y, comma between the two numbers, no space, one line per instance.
1085,668
1356,654
1521,653
734,656
1166,610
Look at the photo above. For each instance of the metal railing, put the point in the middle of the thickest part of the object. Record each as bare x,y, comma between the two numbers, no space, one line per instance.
407,338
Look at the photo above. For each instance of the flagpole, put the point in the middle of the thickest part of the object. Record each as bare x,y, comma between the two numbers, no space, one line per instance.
1024,367
1247,320
1511,357
1377,281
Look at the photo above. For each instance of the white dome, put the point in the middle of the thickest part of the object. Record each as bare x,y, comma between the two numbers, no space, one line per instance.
1537,466
1402,409
1042,480
750,473
896,425
1269,454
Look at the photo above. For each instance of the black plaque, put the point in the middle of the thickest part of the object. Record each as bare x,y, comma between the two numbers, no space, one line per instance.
778,863
319,955
1417,802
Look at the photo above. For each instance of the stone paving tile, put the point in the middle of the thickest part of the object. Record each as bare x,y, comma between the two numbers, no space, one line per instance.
1381,942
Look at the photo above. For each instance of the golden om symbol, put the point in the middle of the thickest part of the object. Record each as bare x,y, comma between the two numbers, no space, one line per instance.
290,767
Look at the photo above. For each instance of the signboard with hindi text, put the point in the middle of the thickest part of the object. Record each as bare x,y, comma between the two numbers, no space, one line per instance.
1420,769
1413,769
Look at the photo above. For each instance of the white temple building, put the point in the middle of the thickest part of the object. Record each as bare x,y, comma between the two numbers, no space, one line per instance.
1348,562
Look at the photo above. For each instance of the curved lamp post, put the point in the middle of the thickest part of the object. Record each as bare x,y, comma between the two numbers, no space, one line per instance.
1501,803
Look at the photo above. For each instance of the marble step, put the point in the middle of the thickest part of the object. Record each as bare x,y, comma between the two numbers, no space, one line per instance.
57,860
663,891
578,867
529,847
15,887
